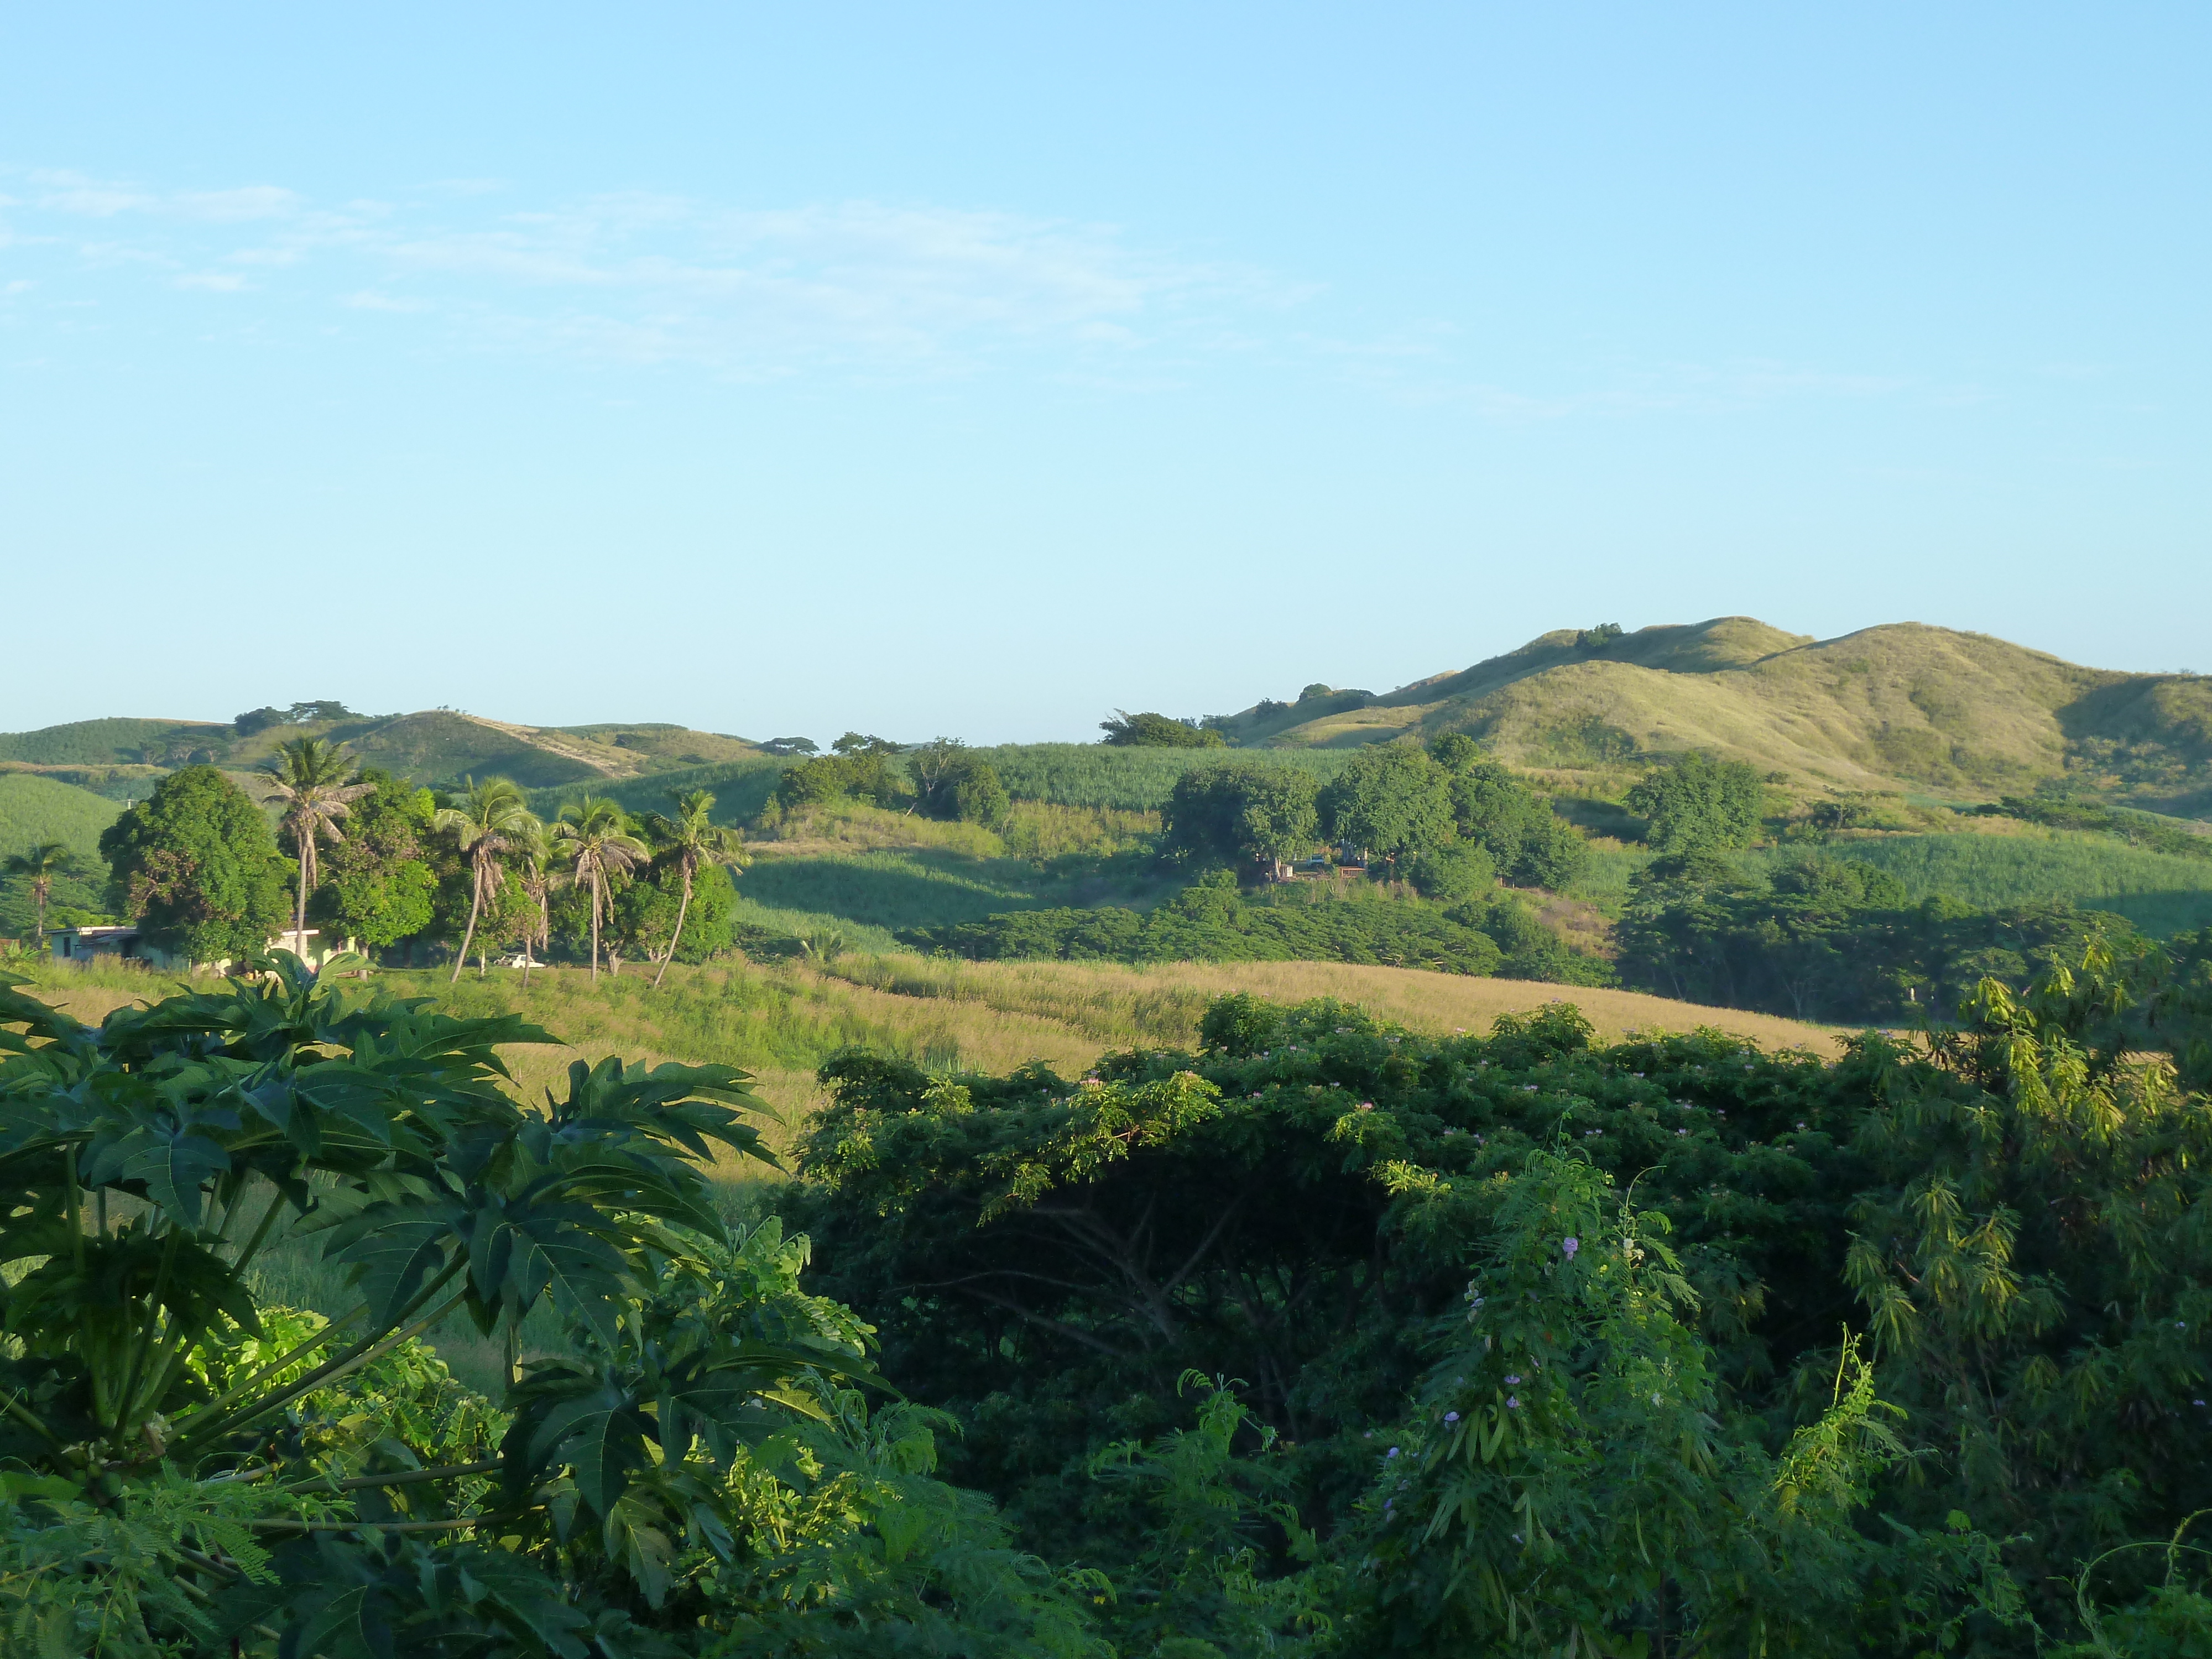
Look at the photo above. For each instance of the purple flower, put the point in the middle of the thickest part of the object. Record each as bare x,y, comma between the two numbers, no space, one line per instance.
1392,1453
1512,1381
1387,1504
1568,1247
1512,1402
1451,1417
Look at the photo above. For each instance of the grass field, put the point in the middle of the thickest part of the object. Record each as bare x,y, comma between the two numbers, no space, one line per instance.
2160,894
34,810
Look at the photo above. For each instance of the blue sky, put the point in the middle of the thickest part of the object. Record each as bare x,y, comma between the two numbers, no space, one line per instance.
978,370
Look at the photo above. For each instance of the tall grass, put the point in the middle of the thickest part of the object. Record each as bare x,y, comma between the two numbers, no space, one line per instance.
2160,894
1161,1004
35,809
1131,780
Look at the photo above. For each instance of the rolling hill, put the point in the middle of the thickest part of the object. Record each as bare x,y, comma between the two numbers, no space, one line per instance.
1903,707
123,758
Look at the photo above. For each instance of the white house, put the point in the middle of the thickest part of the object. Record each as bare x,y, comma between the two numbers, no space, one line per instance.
122,942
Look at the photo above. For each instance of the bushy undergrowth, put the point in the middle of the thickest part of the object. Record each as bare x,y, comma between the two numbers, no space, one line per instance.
1208,921
1672,1346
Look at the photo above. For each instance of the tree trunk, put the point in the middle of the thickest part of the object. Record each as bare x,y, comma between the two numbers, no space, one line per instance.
300,908
475,905
595,925
683,908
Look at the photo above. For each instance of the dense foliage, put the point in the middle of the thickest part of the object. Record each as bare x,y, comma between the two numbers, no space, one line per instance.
1207,922
1697,803
196,864
1828,939
191,1472
1239,812
1881,1355
1149,731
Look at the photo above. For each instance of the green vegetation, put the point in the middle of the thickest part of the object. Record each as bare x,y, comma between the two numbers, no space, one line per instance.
112,742
35,809
196,864
381,886
2144,830
2158,893
195,1472
1242,812
1887,709
1209,921
1128,780
741,789
1515,1412
1127,731
37,871
1700,805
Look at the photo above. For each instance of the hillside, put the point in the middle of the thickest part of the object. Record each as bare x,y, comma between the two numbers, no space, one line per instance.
1899,707
122,758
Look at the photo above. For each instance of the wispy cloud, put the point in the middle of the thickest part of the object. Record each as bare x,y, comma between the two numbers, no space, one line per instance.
657,278
864,288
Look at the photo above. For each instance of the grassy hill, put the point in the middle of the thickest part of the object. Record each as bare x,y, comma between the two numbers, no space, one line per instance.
125,757
34,810
1899,707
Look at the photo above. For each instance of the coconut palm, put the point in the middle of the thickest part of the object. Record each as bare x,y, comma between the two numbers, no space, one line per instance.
536,876
40,867
592,838
313,777
492,819
695,840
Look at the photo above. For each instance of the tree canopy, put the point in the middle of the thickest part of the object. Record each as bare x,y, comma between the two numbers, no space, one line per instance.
1152,730
1393,800
1698,803
1239,812
196,864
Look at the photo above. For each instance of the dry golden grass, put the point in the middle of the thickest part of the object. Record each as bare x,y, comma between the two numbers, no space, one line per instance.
1163,1004
778,1022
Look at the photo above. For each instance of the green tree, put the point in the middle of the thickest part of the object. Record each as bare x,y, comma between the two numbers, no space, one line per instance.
689,839
1531,845
1151,731
38,867
1392,799
1454,874
196,863
592,838
493,819
951,781
1700,803
1241,810
314,780
978,796
379,886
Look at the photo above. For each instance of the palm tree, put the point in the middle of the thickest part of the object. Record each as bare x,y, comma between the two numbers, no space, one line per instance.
592,838
314,779
695,840
492,818
537,878
41,866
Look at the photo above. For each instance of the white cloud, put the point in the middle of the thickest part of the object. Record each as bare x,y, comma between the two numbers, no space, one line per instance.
659,278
